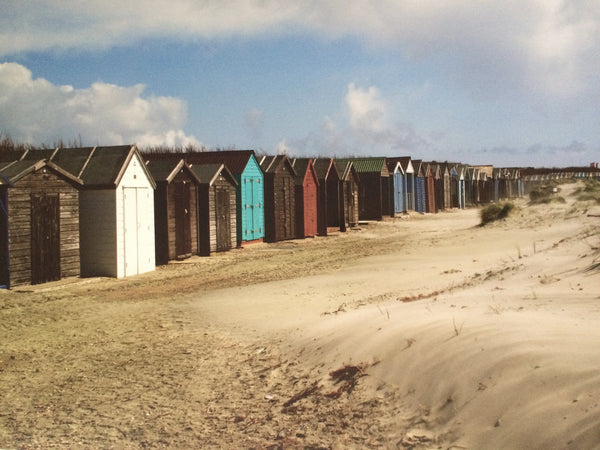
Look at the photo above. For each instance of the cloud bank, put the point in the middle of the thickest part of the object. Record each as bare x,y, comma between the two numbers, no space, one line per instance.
38,112
545,47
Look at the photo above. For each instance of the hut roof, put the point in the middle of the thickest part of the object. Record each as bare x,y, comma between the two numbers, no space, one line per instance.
73,160
235,160
324,167
36,155
369,165
166,169
271,164
405,163
19,169
302,166
208,173
345,167
106,166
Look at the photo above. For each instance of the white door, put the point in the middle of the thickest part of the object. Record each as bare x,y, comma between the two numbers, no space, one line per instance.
131,232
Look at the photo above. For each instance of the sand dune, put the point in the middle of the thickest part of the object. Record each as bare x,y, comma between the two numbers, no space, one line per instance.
425,331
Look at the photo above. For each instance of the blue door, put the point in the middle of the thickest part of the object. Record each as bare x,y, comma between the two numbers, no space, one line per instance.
399,192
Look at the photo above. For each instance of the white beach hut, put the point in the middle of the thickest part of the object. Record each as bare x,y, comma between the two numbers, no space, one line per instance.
116,210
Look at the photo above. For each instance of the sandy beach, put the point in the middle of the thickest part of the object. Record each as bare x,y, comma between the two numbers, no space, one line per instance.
417,332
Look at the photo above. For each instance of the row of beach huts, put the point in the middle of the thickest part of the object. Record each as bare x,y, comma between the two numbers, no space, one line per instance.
115,211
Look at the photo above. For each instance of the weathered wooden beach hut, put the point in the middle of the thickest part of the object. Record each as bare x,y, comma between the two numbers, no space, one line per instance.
420,185
280,198
217,208
307,188
175,210
330,199
250,200
4,272
373,189
428,171
116,210
349,182
39,222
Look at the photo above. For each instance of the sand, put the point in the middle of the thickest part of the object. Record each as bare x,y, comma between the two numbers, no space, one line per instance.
443,334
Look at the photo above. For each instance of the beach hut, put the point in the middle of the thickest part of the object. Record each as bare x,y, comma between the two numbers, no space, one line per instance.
397,185
39,223
307,187
280,198
373,189
175,210
116,210
349,182
4,272
429,187
330,199
243,165
419,177
409,180
217,208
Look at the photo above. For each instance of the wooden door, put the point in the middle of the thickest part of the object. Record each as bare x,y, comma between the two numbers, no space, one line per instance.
183,227
288,208
223,218
45,238
4,273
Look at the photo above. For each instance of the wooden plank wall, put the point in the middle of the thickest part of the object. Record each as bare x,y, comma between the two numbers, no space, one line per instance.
19,210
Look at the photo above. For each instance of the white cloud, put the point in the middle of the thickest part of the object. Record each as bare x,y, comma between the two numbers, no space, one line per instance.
490,47
39,112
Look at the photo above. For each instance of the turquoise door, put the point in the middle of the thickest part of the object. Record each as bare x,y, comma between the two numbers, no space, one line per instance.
253,215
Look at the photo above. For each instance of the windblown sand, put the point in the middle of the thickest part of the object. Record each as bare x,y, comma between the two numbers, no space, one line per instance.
425,331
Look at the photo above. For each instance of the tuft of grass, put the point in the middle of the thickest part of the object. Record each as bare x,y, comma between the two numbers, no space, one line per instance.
544,193
589,191
495,212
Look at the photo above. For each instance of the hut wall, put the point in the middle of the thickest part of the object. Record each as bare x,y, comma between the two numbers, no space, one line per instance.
420,194
370,197
280,207
161,223
4,274
350,192
430,194
175,231
217,230
306,207
42,183
333,200
98,232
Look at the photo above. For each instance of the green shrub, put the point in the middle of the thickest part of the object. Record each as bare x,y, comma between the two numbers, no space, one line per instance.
495,212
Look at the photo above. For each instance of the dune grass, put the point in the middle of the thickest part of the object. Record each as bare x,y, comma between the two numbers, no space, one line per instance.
495,211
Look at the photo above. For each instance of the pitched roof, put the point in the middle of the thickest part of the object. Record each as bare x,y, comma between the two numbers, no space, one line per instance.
19,169
302,166
208,173
165,169
345,167
271,164
106,166
325,167
36,155
369,165
235,160
73,160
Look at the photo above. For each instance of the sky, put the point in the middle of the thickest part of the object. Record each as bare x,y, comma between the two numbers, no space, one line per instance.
508,83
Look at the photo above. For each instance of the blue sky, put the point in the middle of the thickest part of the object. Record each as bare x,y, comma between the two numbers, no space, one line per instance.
510,83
